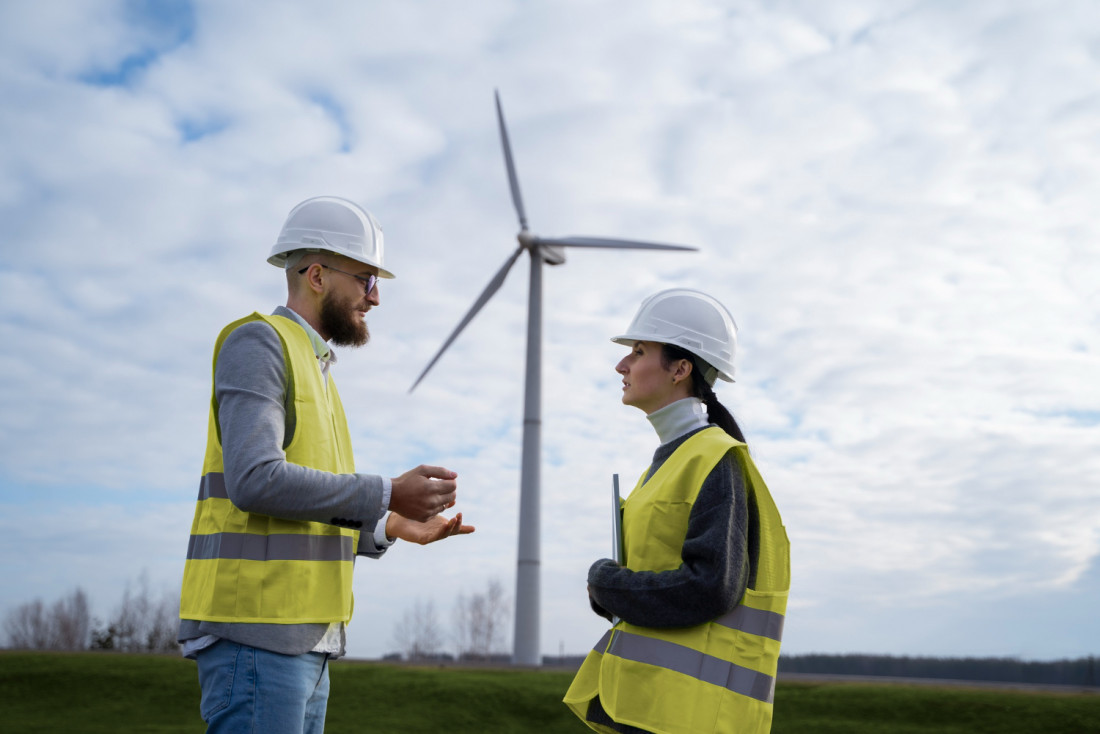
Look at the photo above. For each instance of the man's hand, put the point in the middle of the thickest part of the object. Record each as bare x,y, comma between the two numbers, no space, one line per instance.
421,493
436,528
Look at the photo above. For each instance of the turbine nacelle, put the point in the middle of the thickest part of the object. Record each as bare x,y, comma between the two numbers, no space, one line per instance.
550,254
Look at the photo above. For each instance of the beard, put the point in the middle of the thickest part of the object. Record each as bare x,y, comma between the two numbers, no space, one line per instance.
341,321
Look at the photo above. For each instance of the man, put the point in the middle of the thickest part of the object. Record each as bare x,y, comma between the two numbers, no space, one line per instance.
281,512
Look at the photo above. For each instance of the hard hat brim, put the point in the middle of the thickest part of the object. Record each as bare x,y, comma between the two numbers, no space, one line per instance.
279,260
628,340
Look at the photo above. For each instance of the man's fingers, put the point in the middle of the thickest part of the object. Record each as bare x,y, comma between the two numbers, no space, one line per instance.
438,491
455,527
460,529
435,472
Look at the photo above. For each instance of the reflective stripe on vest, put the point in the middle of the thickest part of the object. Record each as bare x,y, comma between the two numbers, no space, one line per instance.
698,665
288,547
758,622
212,485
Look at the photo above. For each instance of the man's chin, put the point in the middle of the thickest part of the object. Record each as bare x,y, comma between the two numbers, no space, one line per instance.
358,339
350,333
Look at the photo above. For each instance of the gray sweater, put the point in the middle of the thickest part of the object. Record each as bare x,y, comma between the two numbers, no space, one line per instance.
257,423
719,557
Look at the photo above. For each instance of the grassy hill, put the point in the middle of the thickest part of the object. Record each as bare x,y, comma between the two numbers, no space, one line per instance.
105,692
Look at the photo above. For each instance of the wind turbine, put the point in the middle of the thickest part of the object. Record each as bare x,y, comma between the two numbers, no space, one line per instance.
549,250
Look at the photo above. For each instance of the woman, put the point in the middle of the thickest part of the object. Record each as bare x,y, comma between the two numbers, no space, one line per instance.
702,590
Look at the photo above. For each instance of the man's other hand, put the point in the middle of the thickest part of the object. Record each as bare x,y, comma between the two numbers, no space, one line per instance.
423,492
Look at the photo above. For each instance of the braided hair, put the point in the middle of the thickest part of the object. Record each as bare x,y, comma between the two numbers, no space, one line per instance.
717,413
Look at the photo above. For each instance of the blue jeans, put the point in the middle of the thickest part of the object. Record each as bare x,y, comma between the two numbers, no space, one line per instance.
248,690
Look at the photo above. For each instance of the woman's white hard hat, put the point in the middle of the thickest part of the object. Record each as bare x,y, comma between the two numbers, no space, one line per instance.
691,320
331,224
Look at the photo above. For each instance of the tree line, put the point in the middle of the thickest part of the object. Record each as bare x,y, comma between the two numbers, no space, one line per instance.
144,622
478,625
1077,672
141,622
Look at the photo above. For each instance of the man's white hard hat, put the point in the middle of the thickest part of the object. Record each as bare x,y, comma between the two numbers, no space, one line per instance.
331,224
691,320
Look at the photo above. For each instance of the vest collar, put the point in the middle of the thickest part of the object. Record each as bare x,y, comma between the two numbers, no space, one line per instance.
324,352
678,418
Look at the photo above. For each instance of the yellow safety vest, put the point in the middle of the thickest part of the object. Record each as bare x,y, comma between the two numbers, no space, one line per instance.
714,677
246,567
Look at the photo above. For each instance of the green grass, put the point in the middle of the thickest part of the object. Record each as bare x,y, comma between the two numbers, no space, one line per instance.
97,692
104,692
848,708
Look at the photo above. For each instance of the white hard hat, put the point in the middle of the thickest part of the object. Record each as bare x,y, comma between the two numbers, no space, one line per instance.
692,321
332,224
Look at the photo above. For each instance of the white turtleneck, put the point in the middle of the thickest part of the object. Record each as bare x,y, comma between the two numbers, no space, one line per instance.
678,418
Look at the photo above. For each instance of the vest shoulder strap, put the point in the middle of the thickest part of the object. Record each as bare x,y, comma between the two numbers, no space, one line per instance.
291,337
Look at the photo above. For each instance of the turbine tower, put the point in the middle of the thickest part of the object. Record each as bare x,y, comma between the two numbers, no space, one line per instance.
526,650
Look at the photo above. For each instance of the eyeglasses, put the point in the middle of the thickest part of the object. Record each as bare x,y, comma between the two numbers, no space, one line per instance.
368,283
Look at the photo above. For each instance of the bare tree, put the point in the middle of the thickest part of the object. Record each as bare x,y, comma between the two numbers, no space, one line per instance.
480,621
417,635
72,621
63,626
140,622
161,633
28,627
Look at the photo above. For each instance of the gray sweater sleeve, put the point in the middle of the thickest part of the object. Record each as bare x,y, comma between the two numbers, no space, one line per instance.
250,387
715,566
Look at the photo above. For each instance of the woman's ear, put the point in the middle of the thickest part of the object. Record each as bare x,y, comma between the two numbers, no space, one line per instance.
682,371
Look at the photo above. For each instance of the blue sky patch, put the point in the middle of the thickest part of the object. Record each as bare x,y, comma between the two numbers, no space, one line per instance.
195,129
158,26
337,114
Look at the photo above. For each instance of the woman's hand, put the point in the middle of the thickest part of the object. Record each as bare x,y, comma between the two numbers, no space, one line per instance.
597,608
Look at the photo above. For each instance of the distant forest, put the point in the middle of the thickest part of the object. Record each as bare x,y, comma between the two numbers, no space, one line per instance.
1078,672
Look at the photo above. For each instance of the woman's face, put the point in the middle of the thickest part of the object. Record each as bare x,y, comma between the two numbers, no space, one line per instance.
647,385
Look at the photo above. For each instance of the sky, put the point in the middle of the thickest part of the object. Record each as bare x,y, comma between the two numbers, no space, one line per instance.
895,200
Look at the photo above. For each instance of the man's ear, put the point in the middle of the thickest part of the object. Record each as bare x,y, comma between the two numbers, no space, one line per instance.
314,278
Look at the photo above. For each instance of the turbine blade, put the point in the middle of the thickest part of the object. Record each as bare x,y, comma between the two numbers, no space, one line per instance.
490,290
513,181
615,244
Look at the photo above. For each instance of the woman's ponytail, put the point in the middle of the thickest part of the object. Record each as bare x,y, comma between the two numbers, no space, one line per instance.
717,413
